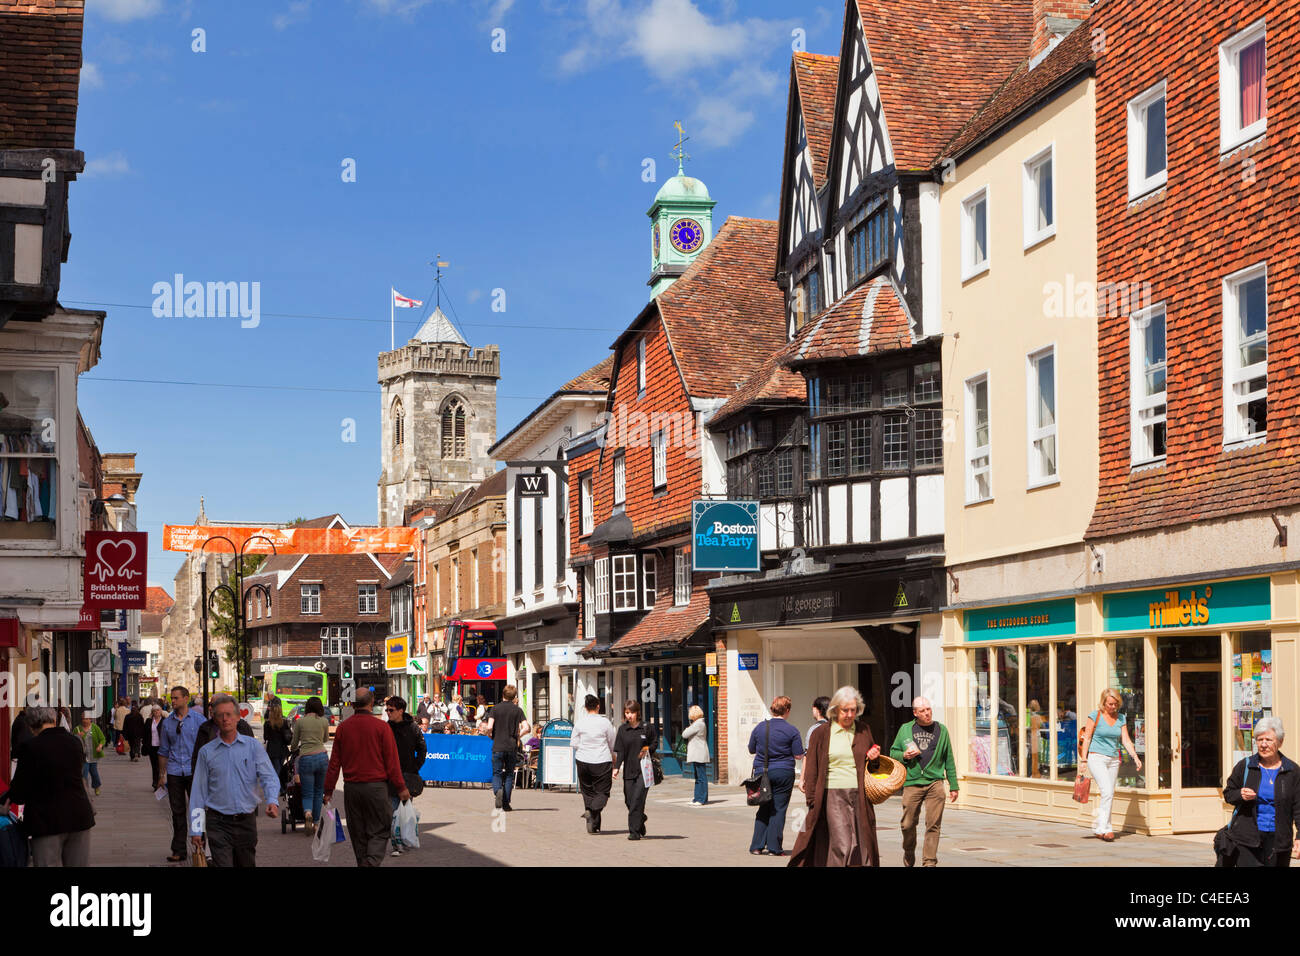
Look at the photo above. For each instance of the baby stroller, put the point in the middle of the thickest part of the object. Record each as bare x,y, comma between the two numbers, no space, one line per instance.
291,809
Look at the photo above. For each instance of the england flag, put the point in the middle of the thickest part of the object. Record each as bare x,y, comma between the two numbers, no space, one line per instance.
402,302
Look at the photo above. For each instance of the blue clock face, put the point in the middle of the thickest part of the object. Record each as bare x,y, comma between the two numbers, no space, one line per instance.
687,235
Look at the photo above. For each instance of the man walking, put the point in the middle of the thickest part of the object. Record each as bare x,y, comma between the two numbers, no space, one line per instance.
593,739
223,802
925,748
506,725
367,756
176,737
411,751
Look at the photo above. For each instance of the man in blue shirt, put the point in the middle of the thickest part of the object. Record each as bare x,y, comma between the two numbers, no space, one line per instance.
224,799
176,737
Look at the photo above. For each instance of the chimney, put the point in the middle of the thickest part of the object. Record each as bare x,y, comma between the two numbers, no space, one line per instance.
1053,20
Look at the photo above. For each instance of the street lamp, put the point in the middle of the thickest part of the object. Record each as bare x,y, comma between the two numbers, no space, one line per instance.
237,606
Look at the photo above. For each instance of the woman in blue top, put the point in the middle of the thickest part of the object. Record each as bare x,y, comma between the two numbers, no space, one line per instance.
1099,754
776,744
1264,788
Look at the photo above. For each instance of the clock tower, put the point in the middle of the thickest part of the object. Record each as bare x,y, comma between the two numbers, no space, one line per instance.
681,225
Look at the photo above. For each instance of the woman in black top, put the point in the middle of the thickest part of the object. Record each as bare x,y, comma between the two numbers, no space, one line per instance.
278,734
133,731
633,740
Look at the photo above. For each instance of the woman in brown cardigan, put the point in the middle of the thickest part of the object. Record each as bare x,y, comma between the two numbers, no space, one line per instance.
840,828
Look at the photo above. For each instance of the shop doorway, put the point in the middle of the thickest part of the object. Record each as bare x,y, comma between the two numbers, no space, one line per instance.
1195,724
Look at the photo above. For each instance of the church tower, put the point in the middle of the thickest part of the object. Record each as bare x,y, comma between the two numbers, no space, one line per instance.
681,225
438,406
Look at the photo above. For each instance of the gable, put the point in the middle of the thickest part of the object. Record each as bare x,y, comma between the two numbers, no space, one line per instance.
861,140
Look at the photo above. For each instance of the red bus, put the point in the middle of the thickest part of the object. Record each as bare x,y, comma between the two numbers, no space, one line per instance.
475,664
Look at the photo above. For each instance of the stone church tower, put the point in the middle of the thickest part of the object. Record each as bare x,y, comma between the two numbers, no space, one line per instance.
438,405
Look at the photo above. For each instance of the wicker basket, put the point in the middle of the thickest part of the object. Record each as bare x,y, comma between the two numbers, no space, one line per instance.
878,790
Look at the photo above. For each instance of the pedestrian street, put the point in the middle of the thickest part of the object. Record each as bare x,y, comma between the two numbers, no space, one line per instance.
460,827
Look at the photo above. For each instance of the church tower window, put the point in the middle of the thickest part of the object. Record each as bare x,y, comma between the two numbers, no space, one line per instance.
453,431
399,424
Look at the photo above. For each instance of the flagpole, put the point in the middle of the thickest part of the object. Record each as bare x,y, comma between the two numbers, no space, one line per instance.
392,321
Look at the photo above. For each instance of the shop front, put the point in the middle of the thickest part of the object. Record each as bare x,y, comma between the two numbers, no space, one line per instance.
805,636
1194,662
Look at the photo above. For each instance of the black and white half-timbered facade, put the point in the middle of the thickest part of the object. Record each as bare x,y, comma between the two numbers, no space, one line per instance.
840,436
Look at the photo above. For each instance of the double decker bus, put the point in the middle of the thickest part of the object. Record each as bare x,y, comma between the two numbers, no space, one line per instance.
475,664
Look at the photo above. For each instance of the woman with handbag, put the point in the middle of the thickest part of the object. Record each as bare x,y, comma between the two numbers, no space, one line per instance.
1265,789
776,745
840,828
1099,757
310,733
633,741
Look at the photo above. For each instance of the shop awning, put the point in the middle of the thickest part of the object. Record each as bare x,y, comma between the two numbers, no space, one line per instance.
666,627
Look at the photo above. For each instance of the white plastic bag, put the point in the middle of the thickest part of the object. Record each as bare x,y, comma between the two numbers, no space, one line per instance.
323,840
647,771
406,825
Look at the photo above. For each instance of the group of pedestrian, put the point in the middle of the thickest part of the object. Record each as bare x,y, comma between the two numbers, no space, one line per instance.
603,754
47,782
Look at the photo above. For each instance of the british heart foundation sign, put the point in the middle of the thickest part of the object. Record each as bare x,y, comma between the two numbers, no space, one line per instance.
116,569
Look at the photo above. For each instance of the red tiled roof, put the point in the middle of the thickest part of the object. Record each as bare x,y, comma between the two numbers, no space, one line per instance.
937,62
725,314
667,625
595,379
40,72
1024,87
157,600
773,382
870,319
816,76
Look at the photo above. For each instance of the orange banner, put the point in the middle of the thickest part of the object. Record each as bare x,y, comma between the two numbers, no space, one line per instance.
289,540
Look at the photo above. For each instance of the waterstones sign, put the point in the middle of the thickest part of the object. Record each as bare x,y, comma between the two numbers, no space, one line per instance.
724,536
1175,608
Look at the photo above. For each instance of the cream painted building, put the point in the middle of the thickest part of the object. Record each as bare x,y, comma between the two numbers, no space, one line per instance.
1020,388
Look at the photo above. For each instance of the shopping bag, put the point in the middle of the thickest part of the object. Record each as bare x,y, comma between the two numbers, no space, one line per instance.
1081,787
121,745
338,825
406,825
197,858
648,771
320,843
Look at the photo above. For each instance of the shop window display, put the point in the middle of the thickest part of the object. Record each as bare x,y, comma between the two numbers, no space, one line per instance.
1125,660
981,749
1170,651
1067,716
28,457
1007,664
1252,688
1038,745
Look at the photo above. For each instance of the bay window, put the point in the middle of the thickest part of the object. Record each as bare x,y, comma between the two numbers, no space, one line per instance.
624,582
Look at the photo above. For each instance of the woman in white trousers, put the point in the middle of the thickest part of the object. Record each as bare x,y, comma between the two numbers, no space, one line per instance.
1105,734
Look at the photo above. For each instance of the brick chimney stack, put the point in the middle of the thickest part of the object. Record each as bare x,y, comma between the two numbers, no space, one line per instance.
1055,19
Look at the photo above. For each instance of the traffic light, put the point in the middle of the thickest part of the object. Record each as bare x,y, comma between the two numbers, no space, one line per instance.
214,665
345,667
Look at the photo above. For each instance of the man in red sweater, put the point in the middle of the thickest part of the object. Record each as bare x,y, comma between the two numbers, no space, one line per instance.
366,753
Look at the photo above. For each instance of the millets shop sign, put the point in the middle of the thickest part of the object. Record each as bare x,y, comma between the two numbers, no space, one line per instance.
724,536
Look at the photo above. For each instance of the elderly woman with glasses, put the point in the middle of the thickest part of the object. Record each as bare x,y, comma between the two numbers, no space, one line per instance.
1265,789
840,828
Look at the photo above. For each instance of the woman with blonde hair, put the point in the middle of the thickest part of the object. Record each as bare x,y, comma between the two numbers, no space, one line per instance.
1099,755
697,754
840,829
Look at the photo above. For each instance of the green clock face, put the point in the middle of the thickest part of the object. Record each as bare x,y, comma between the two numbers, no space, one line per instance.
656,241
687,235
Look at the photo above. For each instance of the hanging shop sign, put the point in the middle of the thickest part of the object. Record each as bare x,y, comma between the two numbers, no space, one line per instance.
288,540
1177,608
1041,619
395,651
115,569
724,536
531,486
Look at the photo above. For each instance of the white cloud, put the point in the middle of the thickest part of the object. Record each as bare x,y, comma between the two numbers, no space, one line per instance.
399,8
298,11
474,295
114,164
91,78
124,9
498,11
712,62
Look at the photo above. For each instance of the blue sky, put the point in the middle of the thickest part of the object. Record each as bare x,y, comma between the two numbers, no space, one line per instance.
522,168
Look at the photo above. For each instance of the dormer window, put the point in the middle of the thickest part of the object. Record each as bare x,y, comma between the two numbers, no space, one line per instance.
868,244
807,298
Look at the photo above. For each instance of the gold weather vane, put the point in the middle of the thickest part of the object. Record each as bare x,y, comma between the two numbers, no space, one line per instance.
678,152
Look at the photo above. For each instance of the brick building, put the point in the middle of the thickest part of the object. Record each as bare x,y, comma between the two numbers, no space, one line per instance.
645,614
323,607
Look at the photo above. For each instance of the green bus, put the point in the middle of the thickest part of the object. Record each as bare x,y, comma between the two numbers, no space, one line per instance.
294,685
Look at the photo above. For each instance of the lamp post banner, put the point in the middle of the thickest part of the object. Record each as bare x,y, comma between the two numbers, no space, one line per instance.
289,540
116,569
